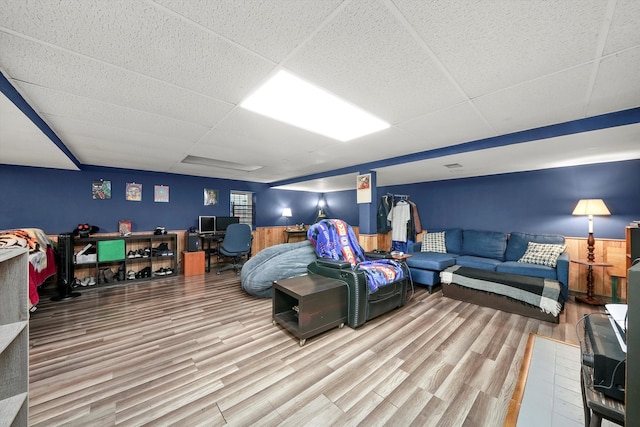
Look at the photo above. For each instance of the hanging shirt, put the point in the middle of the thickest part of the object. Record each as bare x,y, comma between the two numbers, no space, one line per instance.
399,216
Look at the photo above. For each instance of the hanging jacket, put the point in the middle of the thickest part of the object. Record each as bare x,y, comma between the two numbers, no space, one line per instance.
384,207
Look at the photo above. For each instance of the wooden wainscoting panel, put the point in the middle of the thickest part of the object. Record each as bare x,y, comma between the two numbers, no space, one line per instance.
611,251
368,242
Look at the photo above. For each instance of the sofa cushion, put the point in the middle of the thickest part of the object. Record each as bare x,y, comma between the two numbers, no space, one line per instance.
431,261
477,262
452,239
535,270
542,253
518,243
433,242
485,244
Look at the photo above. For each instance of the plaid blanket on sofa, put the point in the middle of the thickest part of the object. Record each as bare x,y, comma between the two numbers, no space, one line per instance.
537,291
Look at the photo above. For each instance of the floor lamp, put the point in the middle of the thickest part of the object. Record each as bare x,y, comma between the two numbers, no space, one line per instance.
286,213
590,207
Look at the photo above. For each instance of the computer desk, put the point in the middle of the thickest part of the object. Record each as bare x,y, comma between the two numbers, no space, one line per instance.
207,238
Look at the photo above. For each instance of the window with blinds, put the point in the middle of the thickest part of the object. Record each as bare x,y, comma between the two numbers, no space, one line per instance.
243,207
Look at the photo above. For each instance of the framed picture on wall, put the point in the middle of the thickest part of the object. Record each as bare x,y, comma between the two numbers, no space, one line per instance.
134,192
161,193
101,190
210,197
363,188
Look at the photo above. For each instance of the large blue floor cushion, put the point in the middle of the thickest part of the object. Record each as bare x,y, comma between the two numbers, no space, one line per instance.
275,263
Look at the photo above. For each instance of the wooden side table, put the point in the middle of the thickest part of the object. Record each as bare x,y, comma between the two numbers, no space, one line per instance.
310,304
589,298
296,232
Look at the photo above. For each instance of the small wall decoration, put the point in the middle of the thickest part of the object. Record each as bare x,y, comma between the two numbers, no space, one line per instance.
101,190
363,187
124,227
210,197
161,193
134,192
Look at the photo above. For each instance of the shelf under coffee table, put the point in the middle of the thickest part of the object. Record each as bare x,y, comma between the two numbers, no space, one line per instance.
309,305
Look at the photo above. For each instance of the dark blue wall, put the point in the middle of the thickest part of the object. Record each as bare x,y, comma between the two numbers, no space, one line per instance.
538,201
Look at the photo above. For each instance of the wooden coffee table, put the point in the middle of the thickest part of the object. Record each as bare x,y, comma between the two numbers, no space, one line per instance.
309,305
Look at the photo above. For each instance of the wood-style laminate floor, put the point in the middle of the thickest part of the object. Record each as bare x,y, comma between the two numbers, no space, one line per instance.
200,351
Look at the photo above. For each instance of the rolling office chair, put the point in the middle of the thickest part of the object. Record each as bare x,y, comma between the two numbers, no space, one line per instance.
236,244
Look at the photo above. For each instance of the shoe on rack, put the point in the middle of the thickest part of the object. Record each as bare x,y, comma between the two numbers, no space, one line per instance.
131,254
146,253
160,272
139,253
145,272
91,280
131,275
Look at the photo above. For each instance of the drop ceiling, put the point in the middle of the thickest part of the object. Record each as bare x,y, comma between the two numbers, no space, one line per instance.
145,84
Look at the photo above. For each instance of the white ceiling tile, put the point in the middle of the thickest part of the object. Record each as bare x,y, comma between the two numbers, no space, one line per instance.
556,98
62,104
624,31
454,125
84,77
142,38
271,28
491,45
22,143
369,59
91,142
616,86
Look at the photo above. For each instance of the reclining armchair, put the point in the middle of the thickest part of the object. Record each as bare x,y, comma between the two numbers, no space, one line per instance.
375,286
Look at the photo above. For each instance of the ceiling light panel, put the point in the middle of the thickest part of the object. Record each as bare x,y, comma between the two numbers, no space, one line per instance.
291,100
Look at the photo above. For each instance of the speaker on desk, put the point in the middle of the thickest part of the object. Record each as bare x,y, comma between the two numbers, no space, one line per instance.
193,242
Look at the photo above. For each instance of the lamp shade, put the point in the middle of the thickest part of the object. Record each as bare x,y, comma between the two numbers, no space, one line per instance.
286,212
591,207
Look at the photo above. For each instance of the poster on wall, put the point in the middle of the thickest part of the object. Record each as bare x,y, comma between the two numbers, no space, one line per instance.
210,197
363,188
101,190
161,193
134,192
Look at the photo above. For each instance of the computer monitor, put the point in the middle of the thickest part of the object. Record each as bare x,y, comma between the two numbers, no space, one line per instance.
222,222
206,224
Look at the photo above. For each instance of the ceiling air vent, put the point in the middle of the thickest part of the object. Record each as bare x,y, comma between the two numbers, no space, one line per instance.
204,161
453,165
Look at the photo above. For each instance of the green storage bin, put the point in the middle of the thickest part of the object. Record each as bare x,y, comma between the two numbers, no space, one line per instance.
110,250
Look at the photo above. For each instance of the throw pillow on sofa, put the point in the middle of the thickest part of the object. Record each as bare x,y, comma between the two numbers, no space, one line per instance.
543,254
434,242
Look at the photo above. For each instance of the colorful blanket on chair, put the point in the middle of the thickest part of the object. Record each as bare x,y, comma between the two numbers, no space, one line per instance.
335,239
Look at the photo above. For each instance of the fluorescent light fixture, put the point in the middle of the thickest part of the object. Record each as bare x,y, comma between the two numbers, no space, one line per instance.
291,100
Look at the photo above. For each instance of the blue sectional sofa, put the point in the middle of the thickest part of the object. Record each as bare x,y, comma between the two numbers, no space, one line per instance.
486,250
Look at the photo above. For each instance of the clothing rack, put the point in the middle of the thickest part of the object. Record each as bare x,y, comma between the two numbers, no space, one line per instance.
397,196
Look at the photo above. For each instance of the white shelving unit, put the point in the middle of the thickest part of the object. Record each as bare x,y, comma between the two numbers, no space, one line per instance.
14,337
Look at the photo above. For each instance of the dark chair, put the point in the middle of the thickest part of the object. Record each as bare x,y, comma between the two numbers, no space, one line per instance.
236,244
375,286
